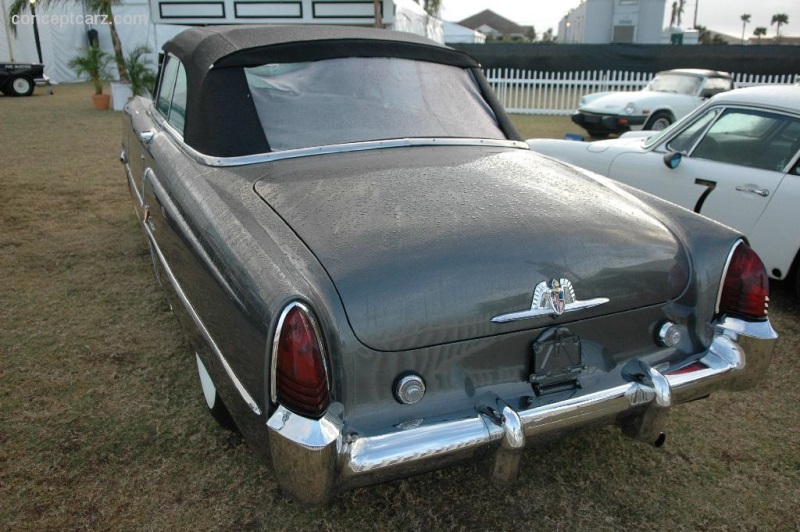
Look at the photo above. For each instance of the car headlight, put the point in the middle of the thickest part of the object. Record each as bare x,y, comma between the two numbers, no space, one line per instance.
630,108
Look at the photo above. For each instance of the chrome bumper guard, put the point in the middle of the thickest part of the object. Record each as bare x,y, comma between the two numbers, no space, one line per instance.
315,459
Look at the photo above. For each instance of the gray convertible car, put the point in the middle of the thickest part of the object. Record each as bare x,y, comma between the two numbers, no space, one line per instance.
379,278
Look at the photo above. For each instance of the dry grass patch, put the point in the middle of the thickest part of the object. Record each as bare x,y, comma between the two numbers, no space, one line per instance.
101,416
545,127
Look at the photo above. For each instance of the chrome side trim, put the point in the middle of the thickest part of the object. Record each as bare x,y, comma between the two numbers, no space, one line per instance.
273,384
173,215
210,160
133,184
200,325
348,148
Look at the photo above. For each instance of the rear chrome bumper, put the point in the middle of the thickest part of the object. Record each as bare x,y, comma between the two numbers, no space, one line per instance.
315,459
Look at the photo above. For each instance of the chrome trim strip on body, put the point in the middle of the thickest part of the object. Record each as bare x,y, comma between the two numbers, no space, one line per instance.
336,461
210,160
273,385
551,298
349,148
135,189
536,312
171,213
201,326
725,274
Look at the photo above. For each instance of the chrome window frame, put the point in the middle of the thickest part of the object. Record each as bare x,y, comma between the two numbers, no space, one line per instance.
166,63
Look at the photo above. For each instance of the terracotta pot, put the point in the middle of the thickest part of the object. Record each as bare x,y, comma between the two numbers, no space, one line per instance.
101,101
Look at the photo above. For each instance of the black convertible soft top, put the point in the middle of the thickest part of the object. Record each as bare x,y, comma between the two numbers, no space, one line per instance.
220,117
202,49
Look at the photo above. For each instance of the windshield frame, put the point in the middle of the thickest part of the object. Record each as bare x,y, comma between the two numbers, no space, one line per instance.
665,76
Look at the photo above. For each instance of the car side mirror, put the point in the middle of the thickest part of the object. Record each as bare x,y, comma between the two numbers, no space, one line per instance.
672,159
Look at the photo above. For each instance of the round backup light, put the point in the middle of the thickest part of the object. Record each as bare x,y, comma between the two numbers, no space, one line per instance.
669,335
409,389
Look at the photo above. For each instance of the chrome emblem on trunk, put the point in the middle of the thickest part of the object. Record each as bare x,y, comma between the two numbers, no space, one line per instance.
551,298
556,299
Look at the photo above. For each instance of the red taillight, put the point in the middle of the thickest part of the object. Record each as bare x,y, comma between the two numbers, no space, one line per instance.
745,289
301,379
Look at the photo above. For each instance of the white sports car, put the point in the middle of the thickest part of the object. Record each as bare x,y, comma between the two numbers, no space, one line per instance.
668,97
735,159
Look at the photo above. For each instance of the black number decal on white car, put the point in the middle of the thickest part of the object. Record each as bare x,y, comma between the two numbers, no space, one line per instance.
710,185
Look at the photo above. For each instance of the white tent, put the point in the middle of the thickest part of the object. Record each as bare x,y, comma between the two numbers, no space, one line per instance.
456,33
63,29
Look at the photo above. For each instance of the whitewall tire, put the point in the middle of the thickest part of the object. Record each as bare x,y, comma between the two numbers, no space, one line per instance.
213,401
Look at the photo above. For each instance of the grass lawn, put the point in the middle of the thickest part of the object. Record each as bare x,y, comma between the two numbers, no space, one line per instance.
102,423
545,127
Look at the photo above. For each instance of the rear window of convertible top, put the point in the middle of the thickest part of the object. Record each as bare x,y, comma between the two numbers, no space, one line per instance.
355,99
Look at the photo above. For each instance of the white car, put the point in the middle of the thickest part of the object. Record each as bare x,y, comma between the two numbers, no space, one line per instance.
668,97
735,159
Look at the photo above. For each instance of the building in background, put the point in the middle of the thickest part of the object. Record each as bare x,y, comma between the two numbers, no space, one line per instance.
613,21
496,27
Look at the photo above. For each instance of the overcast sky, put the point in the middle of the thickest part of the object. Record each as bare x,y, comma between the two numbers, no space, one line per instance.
718,15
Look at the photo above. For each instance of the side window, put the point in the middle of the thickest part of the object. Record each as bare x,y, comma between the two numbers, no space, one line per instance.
167,86
715,86
754,139
177,113
686,140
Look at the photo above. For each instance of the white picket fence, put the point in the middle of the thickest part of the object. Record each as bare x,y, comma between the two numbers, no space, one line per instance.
558,93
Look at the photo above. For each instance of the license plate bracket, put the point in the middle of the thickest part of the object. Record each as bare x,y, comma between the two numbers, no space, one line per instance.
557,361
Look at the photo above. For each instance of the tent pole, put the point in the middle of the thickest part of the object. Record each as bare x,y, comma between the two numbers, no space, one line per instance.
5,30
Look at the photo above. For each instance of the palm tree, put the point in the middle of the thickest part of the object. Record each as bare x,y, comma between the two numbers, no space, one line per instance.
140,71
432,7
99,7
745,21
677,12
779,19
759,32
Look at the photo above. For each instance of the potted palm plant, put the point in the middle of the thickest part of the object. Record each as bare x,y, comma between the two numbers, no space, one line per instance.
93,62
141,73
141,77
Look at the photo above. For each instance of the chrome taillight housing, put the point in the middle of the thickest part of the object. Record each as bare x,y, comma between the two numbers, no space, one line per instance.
299,372
745,286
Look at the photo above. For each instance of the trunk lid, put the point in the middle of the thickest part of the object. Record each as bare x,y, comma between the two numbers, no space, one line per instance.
426,245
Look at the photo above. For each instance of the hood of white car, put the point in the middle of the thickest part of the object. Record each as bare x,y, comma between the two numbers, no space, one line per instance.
615,102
